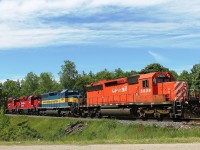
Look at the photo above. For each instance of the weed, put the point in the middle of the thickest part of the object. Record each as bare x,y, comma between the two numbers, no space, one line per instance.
23,128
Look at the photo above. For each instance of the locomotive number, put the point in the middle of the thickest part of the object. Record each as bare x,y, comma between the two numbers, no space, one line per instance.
145,91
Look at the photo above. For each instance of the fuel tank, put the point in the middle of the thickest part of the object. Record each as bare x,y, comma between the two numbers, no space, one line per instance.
116,112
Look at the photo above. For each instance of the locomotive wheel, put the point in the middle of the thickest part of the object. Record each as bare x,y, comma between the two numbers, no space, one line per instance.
69,115
160,119
83,114
144,119
92,115
99,115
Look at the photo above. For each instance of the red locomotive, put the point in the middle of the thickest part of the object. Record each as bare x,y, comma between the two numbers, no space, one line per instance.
154,94
25,104
11,105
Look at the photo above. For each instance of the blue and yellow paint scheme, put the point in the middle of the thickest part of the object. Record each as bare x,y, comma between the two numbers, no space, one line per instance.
61,99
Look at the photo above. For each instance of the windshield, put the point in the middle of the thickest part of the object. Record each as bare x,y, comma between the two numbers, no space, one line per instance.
160,80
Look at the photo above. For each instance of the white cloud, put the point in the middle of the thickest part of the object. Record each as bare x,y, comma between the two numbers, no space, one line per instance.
185,7
22,24
157,56
21,10
30,10
12,37
127,3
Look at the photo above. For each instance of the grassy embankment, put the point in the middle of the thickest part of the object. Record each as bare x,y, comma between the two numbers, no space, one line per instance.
32,130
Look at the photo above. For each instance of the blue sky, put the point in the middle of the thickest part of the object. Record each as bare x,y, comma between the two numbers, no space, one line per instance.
38,35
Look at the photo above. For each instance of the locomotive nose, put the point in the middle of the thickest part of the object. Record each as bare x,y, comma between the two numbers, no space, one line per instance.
180,89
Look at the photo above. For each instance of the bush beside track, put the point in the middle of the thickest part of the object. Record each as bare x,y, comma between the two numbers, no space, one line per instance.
34,130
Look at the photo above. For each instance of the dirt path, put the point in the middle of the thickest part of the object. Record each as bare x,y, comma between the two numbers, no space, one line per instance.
195,146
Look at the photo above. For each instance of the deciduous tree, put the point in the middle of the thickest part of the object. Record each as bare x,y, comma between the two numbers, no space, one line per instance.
104,75
30,84
155,67
185,76
68,74
175,74
195,75
11,89
47,83
82,81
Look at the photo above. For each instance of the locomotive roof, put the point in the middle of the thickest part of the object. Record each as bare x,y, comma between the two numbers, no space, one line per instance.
141,76
148,75
63,91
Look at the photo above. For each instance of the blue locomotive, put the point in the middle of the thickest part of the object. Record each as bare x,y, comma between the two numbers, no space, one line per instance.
60,102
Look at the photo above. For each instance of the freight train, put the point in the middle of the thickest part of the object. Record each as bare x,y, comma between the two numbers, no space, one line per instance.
152,95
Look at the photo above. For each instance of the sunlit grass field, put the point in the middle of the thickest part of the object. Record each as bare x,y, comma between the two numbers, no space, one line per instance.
34,130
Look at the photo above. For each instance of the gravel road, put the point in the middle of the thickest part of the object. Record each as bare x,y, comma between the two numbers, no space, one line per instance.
195,146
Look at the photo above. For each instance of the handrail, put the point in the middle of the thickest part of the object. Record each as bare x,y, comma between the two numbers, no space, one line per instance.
124,99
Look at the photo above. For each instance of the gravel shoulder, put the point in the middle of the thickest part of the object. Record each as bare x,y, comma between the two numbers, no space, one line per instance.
165,123
194,146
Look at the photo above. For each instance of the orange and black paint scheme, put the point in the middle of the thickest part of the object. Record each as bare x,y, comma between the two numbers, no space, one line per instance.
143,95
157,87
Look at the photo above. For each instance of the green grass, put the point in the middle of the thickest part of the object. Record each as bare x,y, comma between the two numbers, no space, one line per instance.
52,131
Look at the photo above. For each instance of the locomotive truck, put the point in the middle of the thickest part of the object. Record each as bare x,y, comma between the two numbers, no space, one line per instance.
152,95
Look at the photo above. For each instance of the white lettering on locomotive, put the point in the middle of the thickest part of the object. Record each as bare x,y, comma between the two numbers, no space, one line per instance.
119,89
22,104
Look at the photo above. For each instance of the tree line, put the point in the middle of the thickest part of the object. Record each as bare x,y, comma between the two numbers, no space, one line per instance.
70,78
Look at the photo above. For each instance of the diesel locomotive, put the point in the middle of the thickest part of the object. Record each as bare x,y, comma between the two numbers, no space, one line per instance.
152,95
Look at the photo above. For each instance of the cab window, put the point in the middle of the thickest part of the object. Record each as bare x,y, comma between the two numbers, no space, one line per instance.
154,81
160,80
145,83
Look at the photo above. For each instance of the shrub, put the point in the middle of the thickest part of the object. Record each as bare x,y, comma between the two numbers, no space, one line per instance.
4,120
18,132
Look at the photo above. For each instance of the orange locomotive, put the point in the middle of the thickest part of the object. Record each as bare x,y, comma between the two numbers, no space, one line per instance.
145,95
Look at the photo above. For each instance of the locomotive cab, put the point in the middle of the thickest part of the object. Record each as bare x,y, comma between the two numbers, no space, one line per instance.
70,96
164,84
10,105
153,87
35,101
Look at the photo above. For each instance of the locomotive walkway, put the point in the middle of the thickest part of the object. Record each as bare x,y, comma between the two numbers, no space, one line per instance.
194,146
